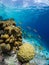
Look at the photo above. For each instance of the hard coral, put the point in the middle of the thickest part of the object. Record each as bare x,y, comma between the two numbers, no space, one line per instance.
11,35
26,53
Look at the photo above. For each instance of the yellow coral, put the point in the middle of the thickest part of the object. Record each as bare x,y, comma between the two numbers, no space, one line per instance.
26,52
5,36
10,36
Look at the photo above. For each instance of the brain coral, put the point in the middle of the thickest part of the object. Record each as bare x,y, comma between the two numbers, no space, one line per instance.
26,53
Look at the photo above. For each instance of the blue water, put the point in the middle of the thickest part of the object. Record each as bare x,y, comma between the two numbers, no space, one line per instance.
33,17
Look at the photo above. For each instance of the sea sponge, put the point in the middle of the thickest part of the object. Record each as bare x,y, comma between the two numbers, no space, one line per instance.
26,53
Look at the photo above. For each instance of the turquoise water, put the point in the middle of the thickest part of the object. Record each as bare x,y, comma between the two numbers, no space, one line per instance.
34,22
31,20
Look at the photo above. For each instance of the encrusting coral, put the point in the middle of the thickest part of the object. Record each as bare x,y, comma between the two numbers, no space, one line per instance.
10,35
26,53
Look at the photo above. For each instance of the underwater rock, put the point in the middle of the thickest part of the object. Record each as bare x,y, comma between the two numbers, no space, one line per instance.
9,35
26,53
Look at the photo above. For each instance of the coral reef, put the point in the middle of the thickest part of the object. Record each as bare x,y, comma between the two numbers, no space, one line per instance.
11,41
15,50
10,36
26,53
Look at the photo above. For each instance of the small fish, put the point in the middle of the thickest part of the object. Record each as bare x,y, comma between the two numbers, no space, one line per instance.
20,23
39,36
24,33
30,36
29,27
35,30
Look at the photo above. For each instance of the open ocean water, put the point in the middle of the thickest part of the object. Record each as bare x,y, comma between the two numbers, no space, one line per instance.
34,21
